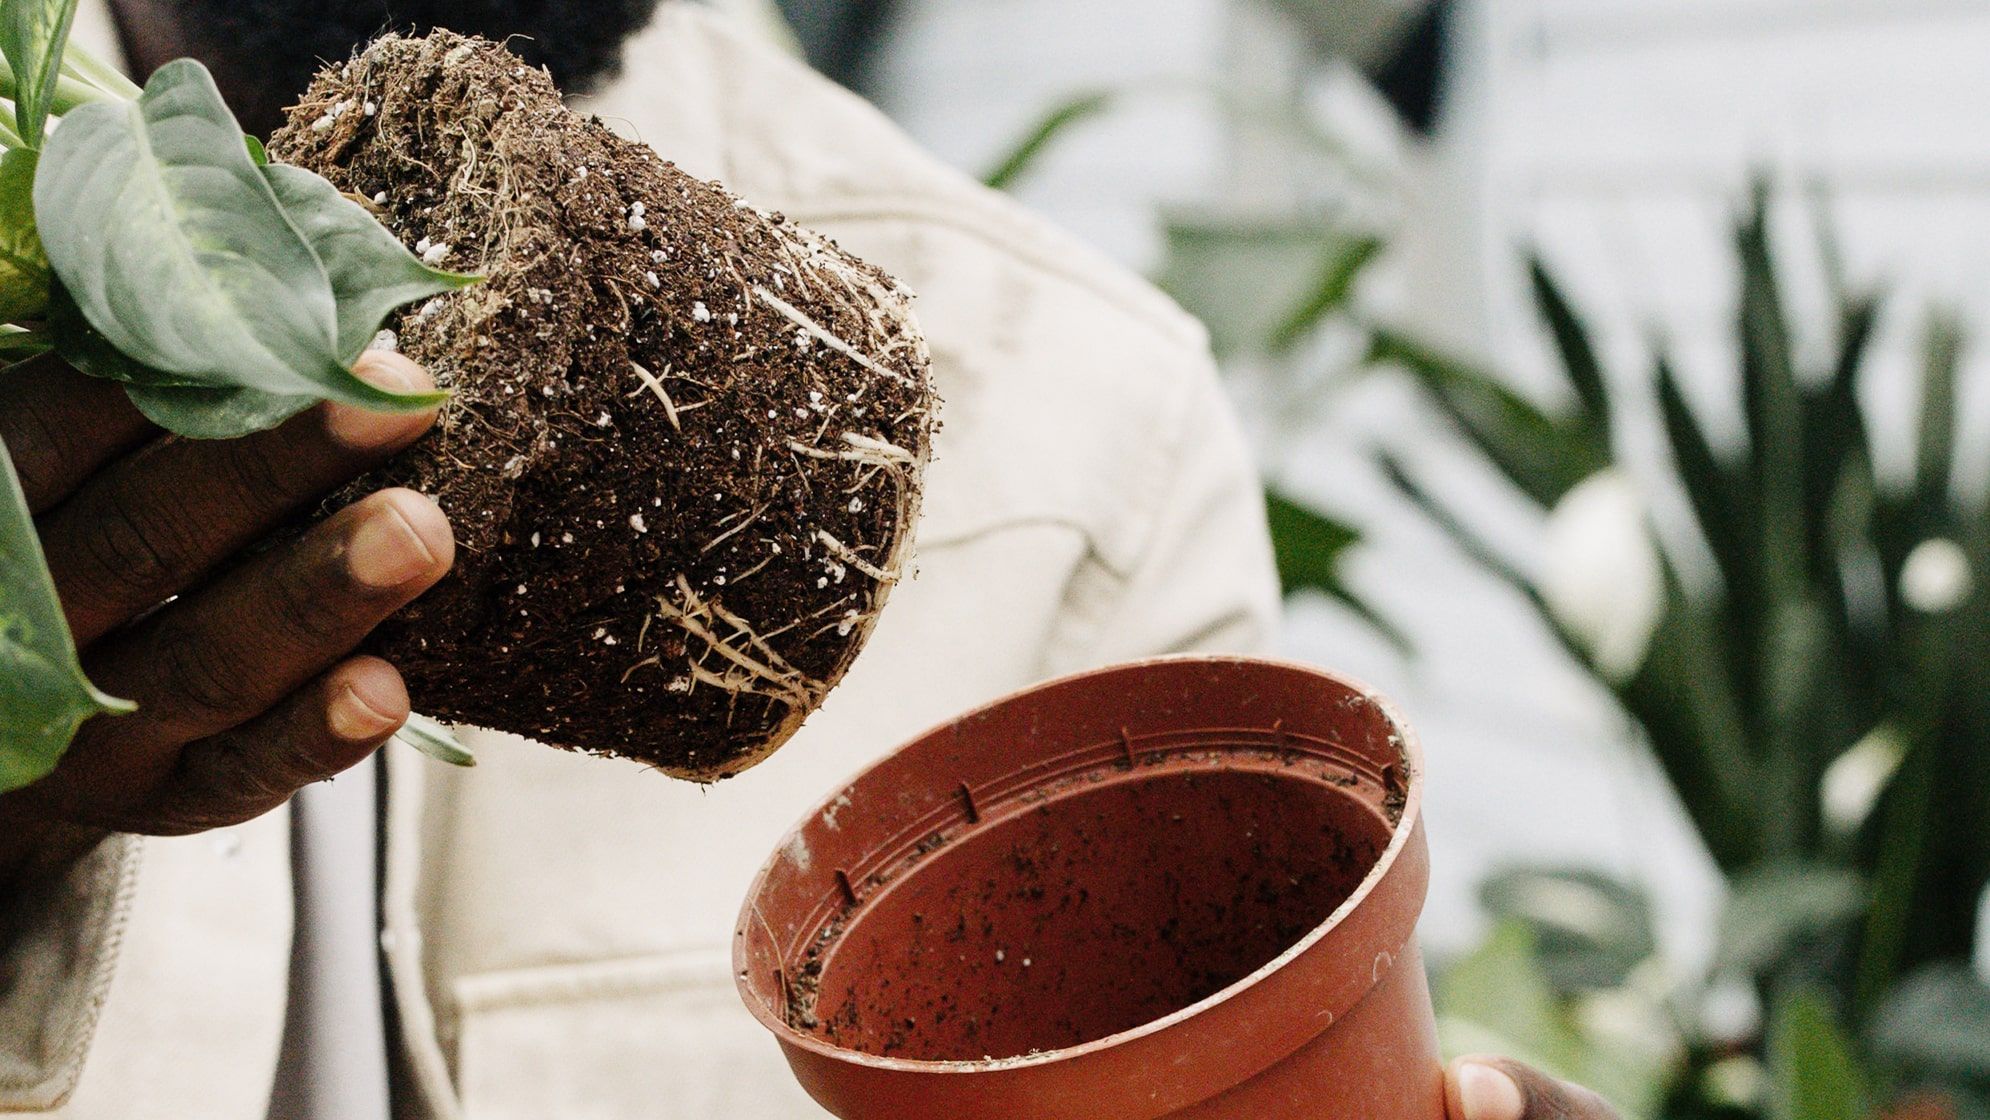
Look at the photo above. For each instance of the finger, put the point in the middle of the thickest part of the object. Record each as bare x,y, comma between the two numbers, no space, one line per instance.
150,525
1484,1088
61,426
219,658
318,731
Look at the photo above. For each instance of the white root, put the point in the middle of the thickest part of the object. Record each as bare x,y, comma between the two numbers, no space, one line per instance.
849,556
800,318
883,449
723,537
767,674
655,385
861,449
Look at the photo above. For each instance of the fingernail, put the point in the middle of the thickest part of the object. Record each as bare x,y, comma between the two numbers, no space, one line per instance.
355,720
386,552
357,427
1488,1094
396,373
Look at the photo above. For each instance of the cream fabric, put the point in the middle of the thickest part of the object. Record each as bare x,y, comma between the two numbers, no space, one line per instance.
557,927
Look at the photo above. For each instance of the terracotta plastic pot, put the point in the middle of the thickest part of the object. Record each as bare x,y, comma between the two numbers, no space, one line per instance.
1185,887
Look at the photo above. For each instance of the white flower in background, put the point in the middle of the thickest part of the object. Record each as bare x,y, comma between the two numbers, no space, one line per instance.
1983,937
1853,782
1601,577
1936,577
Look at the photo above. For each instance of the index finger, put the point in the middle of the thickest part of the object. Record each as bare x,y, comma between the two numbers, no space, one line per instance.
61,426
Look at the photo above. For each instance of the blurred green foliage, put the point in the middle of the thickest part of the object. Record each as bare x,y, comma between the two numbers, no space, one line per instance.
1819,700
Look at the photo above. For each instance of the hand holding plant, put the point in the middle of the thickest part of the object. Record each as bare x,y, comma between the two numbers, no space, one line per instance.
149,243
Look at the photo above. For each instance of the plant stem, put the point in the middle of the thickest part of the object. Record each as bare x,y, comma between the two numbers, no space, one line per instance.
81,64
69,91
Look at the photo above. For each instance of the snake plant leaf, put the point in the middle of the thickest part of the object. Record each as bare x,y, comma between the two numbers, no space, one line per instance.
371,272
1544,455
1021,159
1330,293
1812,1072
1572,342
1711,488
174,246
1934,460
1310,548
44,696
1772,399
23,266
33,35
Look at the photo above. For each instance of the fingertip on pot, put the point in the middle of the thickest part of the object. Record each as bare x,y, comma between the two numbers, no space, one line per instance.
1479,1089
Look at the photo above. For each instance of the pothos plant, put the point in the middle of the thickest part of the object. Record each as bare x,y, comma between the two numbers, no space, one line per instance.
146,239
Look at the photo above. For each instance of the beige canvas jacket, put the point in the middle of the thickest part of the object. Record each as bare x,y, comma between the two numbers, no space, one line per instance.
557,927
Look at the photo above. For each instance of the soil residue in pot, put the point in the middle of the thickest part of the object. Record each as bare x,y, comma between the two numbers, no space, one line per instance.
1105,905
683,453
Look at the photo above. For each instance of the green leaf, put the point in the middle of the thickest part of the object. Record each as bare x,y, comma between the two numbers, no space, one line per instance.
1330,294
435,740
1934,462
1309,547
20,343
202,412
1251,280
33,34
1500,988
190,410
1771,909
1590,930
175,248
257,152
1812,1073
1572,342
371,272
1719,502
1545,456
1038,139
1937,1021
44,696
23,266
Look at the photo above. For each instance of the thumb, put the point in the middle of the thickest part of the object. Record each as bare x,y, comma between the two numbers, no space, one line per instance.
1483,1088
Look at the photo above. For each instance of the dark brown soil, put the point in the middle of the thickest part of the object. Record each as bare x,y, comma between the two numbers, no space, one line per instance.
684,448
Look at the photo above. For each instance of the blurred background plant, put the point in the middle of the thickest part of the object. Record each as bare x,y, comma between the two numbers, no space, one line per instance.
1291,336
1796,635
1810,668
1805,657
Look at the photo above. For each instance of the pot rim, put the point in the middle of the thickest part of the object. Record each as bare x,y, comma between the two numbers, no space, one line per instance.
1403,834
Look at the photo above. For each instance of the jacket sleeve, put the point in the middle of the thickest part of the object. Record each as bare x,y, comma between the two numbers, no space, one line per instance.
1201,576
58,947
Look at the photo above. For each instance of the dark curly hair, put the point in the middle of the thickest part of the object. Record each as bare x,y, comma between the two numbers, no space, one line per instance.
264,51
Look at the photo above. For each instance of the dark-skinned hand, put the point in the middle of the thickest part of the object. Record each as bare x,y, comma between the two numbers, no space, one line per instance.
1485,1088
245,680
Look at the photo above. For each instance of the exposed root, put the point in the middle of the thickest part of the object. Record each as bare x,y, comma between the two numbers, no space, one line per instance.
800,318
757,667
844,553
655,385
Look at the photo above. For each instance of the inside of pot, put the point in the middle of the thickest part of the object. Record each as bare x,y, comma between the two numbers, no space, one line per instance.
1122,896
